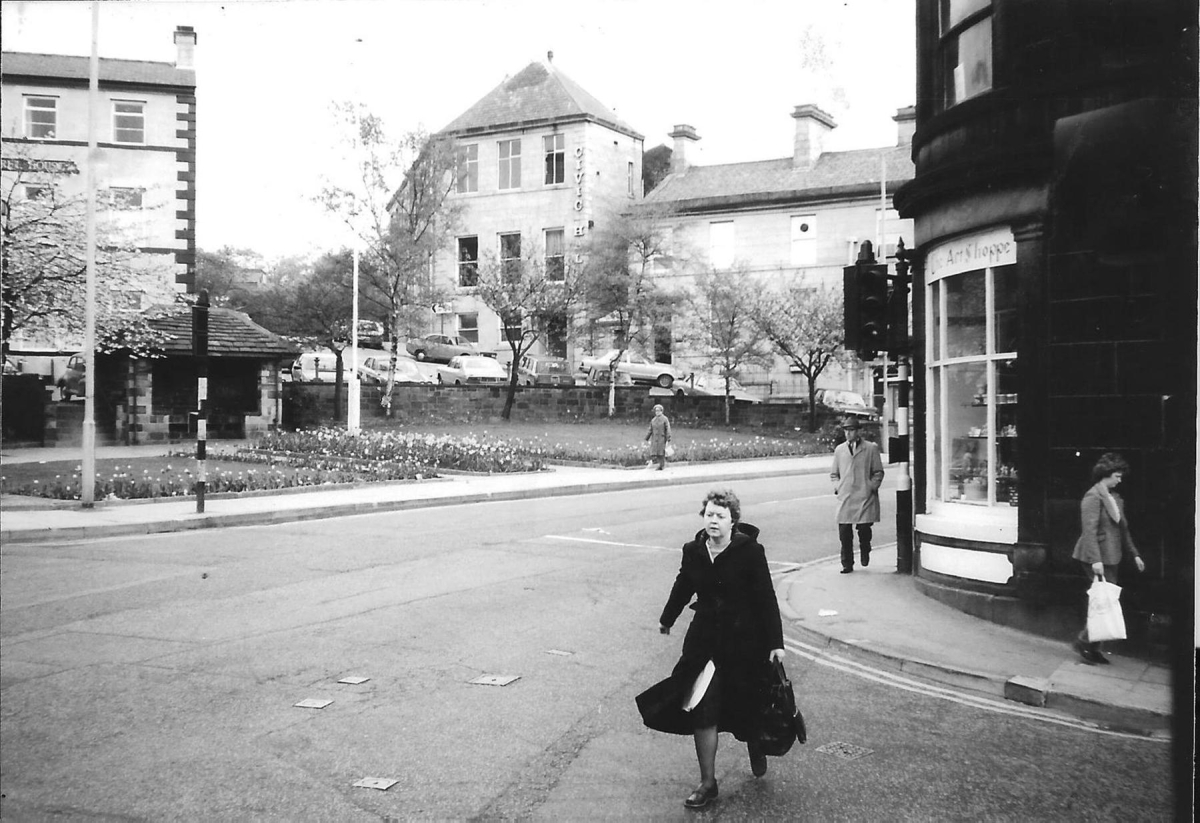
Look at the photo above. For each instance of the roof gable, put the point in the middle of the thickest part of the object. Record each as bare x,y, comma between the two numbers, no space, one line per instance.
538,94
72,70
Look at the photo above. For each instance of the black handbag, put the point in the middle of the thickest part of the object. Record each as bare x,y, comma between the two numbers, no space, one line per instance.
781,722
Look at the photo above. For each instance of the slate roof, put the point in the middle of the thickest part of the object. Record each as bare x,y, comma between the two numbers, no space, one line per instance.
230,334
538,95
15,65
768,181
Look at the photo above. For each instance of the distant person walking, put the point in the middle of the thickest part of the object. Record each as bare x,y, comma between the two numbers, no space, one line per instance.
719,682
659,436
1104,538
857,474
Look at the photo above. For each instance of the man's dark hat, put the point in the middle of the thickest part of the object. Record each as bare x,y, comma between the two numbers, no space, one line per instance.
850,423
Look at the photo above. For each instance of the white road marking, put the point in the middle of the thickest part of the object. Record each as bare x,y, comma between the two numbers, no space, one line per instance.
896,681
603,542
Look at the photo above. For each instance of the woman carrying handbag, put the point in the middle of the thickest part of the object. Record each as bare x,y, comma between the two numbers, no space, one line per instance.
720,681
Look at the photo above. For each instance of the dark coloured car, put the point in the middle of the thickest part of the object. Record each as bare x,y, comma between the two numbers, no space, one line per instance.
536,370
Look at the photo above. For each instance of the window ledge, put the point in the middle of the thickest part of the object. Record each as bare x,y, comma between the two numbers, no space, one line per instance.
991,524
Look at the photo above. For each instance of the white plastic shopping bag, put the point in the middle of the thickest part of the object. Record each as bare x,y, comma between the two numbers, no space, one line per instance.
1105,621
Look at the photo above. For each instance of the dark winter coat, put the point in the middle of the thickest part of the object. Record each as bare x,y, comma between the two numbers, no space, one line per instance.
736,625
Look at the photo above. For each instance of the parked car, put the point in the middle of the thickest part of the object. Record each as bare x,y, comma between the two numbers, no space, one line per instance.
600,377
544,371
704,384
846,403
640,369
407,370
321,367
466,369
440,348
73,379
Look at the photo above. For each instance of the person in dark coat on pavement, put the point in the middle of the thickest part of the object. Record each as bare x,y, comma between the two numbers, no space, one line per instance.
1104,538
857,475
719,683
659,436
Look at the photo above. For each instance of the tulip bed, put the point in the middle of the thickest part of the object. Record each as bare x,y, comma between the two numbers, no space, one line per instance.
327,456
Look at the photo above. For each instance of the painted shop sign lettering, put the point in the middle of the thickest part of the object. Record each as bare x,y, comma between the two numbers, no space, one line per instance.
991,248
34,164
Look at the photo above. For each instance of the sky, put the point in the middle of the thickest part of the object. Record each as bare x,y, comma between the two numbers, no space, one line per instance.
269,71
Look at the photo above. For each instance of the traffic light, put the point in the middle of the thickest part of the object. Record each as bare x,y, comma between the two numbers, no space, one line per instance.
865,294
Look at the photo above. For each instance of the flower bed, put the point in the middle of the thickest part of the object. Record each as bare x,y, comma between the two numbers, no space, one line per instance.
694,451
464,453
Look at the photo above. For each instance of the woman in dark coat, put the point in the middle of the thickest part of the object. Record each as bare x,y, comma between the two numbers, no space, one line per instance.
736,628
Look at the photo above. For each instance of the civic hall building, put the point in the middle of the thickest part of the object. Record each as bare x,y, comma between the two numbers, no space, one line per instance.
1054,300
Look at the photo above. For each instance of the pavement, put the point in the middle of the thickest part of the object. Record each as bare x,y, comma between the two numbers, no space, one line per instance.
875,619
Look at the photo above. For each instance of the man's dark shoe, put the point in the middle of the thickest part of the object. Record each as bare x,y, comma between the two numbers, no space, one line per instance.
847,570
866,557
701,797
758,760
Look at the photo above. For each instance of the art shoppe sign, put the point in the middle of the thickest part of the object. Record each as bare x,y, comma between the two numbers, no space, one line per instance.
995,247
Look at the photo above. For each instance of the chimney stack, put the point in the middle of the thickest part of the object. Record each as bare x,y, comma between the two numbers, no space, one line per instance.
185,48
812,125
683,135
906,125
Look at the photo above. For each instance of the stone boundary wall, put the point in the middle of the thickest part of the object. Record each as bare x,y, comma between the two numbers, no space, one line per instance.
311,404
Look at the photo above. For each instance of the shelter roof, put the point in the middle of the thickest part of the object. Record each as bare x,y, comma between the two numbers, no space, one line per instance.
230,334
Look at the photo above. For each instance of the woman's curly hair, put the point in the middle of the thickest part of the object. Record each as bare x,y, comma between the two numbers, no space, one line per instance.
1109,463
726,499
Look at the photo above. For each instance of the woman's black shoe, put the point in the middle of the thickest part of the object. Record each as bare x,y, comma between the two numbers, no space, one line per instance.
758,760
1088,654
701,797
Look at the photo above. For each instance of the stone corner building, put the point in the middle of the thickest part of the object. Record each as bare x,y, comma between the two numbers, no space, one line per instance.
1054,298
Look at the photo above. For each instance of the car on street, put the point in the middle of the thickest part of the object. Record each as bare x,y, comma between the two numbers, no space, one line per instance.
640,369
71,384
472,369
440,348
705,384
536,370
407,370
321,367
846,403
600,377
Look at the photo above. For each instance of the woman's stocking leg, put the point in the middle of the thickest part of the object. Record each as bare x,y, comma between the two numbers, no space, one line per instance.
706,753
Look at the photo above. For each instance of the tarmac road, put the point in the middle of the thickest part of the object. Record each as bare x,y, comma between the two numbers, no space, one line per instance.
154,678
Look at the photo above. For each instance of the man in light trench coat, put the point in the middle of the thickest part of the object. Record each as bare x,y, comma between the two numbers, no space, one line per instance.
857,474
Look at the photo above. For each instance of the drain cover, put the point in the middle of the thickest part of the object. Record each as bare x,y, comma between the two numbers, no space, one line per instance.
312,703
495,679
846,751
380,783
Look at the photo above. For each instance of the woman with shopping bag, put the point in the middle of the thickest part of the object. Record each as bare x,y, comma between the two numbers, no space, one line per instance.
1104,539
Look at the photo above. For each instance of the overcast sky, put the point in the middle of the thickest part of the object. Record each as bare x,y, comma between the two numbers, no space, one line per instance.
268,71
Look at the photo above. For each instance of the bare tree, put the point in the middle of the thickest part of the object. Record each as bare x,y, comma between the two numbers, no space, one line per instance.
804,323
398,210
530,295
620,284
721,325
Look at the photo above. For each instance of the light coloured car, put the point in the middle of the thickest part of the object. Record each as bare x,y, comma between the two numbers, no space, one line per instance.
536,370
600,377
464,370
640,369
407,370
321,367
440,348
704,384
846,403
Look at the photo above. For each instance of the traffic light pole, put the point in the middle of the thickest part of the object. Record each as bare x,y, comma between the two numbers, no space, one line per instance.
904,496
